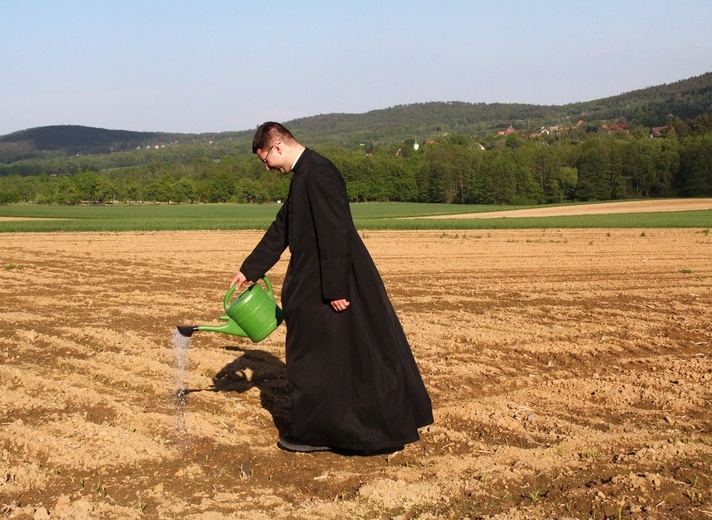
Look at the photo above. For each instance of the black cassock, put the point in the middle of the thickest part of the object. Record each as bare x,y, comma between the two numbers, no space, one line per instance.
352,378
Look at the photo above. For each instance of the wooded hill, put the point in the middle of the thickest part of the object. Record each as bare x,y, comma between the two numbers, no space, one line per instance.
654,142
649,107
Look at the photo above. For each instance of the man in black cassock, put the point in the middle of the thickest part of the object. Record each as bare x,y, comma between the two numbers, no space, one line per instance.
352,379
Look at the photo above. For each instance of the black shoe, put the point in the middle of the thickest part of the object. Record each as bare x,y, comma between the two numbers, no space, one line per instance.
367,453
289,444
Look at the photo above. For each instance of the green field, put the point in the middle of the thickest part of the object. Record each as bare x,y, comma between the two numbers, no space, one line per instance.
112,218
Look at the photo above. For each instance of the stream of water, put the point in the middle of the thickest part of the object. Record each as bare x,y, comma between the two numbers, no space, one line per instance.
182,362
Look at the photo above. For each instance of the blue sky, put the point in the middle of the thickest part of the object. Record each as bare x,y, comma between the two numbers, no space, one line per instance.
219,65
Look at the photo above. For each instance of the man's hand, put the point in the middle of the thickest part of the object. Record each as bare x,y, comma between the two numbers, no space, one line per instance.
340,305
239,280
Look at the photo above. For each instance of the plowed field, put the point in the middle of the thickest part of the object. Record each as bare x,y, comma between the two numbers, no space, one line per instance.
570,372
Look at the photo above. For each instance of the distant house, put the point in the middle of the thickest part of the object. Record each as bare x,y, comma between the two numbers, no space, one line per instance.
508,131
658,131
615,127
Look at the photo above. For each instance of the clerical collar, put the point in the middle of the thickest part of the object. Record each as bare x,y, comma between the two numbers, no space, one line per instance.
296,160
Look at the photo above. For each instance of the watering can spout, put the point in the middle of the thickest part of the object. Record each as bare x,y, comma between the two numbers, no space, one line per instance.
229,327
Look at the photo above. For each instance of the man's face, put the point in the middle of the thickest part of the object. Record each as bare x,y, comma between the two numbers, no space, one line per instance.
270,157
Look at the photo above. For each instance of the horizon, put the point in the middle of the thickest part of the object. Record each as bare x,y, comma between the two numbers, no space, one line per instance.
181,68
334,113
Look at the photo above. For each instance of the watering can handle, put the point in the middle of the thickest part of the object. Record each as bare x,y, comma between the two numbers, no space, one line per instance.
226,301
269,287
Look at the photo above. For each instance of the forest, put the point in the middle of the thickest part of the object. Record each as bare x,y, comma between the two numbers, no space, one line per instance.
651,143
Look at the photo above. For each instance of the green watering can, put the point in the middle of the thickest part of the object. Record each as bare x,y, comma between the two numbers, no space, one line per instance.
254,314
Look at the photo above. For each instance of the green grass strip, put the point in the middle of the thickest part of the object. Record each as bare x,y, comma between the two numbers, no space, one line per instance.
373,216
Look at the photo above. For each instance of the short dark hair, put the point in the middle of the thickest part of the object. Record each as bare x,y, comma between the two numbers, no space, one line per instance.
270,132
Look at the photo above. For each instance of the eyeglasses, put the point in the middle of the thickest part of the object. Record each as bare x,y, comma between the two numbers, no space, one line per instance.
265,159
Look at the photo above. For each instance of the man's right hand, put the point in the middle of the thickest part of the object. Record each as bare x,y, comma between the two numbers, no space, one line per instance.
239,280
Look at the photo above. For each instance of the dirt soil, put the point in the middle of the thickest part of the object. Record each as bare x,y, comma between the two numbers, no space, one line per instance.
570,372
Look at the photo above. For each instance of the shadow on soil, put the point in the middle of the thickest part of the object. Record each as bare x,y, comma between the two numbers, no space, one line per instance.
261,370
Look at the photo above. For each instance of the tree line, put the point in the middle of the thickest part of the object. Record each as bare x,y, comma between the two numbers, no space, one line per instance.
583,163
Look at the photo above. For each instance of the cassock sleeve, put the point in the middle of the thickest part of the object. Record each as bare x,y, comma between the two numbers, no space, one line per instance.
332,221
268,251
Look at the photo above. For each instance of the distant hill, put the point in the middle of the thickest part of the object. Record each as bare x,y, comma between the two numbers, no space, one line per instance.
82,139
646,107
65,140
